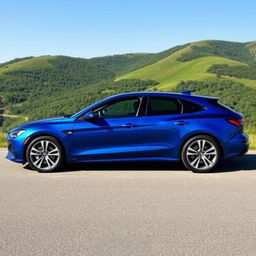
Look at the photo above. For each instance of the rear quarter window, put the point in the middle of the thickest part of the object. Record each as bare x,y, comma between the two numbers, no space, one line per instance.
220,105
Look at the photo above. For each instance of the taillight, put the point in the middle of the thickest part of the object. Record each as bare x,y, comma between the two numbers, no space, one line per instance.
236,122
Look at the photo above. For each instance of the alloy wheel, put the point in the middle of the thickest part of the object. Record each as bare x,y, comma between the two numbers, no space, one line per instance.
201,154
44,155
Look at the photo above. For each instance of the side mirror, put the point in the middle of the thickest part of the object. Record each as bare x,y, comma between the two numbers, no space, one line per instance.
89,115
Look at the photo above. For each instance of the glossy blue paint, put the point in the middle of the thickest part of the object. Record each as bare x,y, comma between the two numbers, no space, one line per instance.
134,138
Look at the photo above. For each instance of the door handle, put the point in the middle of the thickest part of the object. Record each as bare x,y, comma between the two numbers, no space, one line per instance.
128,125
181,122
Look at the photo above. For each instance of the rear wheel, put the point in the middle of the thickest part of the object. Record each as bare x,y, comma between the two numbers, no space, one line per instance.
201,154
44,154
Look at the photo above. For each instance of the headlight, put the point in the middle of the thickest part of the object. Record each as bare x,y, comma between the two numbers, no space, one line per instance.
17,133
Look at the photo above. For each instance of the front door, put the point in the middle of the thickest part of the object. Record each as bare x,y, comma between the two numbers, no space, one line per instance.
112,134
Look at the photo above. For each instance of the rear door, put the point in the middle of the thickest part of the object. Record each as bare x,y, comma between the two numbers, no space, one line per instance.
160,127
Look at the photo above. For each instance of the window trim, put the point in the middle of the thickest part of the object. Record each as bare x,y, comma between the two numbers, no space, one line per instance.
163,97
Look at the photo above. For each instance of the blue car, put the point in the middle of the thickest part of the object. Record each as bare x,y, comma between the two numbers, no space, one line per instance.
142,126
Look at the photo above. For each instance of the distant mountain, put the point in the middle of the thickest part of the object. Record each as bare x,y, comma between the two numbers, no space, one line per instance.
37,87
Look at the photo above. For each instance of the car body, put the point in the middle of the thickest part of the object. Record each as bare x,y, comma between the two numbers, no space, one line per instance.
141,126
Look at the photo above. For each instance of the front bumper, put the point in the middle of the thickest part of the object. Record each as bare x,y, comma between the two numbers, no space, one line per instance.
15,150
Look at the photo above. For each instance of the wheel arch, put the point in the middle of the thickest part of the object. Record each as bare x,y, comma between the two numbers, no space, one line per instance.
30,139
202,133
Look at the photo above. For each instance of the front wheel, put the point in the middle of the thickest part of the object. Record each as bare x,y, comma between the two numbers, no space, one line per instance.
200,154
44,154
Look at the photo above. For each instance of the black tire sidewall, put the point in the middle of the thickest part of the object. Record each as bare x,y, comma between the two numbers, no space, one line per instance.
53,140
186,145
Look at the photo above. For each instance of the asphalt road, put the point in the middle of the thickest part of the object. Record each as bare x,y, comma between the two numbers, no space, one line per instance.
128,209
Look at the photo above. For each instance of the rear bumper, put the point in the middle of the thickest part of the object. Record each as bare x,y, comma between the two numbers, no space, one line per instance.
237,146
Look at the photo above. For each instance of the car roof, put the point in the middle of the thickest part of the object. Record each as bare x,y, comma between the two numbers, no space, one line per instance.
168,94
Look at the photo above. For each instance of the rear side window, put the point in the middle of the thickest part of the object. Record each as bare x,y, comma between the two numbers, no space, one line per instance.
163,106
191,107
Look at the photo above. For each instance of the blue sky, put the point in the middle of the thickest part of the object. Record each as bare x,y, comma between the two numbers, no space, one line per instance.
96,28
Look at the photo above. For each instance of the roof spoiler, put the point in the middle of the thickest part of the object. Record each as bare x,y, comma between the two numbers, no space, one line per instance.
189,92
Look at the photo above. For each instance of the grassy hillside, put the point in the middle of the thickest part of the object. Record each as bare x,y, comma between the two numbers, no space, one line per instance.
26,64
171,70
38,87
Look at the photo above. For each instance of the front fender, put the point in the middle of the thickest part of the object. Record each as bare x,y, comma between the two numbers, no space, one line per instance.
59,134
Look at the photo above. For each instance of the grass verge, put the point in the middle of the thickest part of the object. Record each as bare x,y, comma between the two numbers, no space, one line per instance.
252,139
2,140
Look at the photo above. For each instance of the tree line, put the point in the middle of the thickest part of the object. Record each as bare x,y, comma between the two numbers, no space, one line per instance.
239,71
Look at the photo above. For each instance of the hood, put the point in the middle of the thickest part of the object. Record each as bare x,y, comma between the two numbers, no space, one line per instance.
55,120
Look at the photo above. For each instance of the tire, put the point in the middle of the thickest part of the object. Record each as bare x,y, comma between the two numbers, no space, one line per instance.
45,154
201,154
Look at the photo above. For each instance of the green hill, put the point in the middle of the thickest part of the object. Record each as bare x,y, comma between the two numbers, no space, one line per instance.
193,62
38,87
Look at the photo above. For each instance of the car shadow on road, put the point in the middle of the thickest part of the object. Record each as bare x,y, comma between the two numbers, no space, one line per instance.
243,163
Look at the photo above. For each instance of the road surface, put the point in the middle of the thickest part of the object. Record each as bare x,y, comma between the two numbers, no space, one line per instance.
128,209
